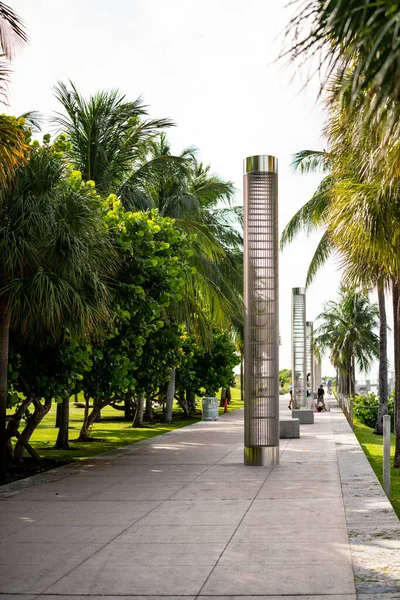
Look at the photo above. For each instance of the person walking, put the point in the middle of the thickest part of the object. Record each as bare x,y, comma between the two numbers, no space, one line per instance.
320,405
291,397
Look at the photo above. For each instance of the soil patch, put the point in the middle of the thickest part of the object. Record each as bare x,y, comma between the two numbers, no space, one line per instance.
29,467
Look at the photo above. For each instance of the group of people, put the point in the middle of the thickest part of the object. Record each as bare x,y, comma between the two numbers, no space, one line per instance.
320,401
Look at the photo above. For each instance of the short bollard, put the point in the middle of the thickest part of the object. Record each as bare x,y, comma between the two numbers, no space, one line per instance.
386,455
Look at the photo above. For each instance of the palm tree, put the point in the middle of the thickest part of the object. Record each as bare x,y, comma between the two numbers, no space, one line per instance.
347,330
13,145
108,135
201,205
314,214
356,39
111,144
12,36
345,206
55,256
359,52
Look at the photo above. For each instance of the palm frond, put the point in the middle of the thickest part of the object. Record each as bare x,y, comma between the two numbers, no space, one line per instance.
311,161
57,257
13,149
12,31
356,36
321,255
34,119
311,215
107,133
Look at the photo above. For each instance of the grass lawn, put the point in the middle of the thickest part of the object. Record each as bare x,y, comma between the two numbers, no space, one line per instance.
373,447
113,432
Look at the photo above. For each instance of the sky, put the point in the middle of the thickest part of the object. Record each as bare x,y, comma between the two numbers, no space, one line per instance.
212,67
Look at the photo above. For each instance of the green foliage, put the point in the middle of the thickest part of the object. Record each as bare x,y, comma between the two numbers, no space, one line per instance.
365,408
107,134
184,189
152,275
357,43
373,448
51,372
162,352
285,375
347,329
204,372
55,249
102,297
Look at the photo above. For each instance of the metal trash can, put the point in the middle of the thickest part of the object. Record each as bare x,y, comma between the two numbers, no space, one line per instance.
210,409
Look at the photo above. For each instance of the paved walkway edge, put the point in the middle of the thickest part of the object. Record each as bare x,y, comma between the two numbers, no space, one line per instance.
20,485
373,526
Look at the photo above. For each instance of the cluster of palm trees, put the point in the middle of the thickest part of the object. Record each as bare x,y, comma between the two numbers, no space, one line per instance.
347,327
110,141
67,209
356,205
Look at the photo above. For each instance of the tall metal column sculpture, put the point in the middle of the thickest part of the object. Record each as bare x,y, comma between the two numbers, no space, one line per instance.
299,352
261,325
310,362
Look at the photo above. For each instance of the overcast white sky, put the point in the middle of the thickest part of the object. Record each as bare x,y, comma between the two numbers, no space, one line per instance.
208,65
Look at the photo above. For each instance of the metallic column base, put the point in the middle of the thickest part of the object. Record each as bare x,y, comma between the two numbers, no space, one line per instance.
261,456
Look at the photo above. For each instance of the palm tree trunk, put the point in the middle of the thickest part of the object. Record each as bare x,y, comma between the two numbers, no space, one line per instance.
353,377
383,366
138,420
62,442
5,318
241,379
170,397
396,333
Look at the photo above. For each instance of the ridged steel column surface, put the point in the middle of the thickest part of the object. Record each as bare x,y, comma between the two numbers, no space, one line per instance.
310,357
299,352
261,327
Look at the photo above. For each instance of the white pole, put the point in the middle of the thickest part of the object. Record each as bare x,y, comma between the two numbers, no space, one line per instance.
386,455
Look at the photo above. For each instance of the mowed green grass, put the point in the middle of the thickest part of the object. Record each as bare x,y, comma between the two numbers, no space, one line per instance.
373,447
111,432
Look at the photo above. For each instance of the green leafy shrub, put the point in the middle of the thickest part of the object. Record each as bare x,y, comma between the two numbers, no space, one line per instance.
365,408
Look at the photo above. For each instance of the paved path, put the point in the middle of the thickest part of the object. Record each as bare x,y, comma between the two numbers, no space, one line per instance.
182,517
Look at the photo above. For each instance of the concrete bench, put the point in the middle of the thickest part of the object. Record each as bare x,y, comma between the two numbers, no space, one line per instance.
289,428
305,415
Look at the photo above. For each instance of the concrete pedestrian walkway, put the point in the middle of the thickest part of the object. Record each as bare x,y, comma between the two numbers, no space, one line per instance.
181,517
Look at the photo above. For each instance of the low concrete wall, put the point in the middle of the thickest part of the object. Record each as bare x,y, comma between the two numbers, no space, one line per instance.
289,428
305,415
